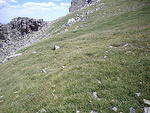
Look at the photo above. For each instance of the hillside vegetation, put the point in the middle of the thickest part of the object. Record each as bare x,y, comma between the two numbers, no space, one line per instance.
101,64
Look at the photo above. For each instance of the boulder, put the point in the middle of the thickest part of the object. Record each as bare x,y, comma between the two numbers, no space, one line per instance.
146,110
146,102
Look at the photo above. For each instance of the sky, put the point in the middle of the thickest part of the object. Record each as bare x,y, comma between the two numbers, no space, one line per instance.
39,9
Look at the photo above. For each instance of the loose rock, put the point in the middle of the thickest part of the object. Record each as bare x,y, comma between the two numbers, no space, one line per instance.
114,109
1,97
77,111
146,101
34,52
44,70
138,94
95,95
16,92
132,110
56,47
93,112
42,111
105,56
126,45
146,110
63,67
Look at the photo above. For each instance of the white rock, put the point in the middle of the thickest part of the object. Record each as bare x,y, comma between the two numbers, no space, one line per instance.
77,111
99,81
114,109
146,101
95,95
126,45
16,92
105,56
93,112
71,21
44,70
1,97
42,110
146,110
34,52
66,30
138,94
56,47
111,46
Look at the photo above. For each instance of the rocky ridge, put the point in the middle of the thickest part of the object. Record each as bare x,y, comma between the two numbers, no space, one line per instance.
79,4
19,33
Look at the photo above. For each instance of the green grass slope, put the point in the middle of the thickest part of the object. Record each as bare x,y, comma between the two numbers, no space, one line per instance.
109,55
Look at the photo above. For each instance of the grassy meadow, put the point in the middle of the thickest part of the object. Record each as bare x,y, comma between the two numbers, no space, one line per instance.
109,54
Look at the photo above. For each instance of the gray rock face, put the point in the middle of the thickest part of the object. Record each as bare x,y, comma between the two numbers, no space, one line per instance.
13,34
78,4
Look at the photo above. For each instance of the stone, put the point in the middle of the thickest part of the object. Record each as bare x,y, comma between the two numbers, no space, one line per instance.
63,67
42,111
146,101
146,110
56,47
125,45
114,109
138,94
44,70
16,92
1,97
132,110
34,52
99,81
70,22
94,94
111,46
66,30
93,112
73,20
77,111
105,57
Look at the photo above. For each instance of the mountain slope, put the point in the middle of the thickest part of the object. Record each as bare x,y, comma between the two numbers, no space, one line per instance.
103,61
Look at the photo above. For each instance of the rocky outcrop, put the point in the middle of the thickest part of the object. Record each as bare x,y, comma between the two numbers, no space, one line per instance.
15,34
78,4
20,26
